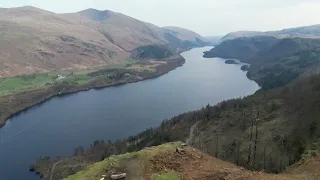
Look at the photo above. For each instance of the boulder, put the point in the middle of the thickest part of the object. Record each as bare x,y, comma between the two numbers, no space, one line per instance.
119,176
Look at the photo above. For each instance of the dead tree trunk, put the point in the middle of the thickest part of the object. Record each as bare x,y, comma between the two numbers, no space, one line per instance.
264,157
200,146
290,159
217,145
249,161
255,143
238,155
257,130
270,163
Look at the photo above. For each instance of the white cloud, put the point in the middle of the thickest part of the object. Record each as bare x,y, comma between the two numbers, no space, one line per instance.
207,17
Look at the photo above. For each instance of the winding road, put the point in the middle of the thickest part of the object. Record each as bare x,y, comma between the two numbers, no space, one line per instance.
53,168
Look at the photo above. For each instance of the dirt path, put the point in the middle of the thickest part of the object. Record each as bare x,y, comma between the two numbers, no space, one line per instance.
191,135
52,169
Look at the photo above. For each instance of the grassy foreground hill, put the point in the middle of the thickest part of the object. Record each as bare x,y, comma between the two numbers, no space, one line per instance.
172,161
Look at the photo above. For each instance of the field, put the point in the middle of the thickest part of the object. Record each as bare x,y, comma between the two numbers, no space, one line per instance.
24,83
32,82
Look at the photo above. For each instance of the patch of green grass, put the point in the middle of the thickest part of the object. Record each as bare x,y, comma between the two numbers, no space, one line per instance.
139,159
32,82
80,80
141,68
96,170
171,175
24,83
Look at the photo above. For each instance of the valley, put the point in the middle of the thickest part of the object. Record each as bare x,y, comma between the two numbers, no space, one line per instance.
62,123
22,92
96,94
41,58
273,130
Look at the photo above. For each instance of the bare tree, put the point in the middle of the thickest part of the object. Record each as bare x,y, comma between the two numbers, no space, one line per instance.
217,144
249,161
270,163
238,154
264,156
256,138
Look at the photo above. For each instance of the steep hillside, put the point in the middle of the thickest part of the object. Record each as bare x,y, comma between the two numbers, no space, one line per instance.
244,49
34,41
302,32
172,161
37,41
305,31
269,131
239,34
184,34
274,62
124,31
44,54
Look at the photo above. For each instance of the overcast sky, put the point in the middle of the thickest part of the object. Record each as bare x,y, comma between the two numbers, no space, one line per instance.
207,17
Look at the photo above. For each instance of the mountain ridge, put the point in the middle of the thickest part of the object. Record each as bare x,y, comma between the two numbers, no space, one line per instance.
312,31
39,41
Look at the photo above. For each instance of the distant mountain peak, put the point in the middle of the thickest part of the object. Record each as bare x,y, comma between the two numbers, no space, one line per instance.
312,31
95,14
27,10
183,33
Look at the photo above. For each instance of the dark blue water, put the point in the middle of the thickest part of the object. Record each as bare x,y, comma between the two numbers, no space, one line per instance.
57,126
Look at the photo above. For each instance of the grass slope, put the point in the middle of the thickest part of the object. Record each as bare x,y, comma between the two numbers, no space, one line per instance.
132,163
165,163
31,82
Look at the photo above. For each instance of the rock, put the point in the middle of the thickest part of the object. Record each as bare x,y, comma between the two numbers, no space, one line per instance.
245,67
231,61
102,178
179,150
118,176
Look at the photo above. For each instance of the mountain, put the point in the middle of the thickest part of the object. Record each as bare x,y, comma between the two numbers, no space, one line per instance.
36,41
184,34
239,34
302,32
305,31
242,48
274,62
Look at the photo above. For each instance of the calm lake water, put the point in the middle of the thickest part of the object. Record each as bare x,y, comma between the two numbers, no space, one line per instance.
57,126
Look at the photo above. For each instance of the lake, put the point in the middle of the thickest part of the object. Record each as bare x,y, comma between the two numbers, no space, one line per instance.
57,126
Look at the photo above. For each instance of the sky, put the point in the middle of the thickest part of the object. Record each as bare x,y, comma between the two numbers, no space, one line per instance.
206,17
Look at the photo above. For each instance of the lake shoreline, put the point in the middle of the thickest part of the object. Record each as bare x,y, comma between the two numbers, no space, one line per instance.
58,125
40,96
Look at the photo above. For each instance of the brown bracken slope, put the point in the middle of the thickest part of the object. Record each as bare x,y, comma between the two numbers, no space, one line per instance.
35,41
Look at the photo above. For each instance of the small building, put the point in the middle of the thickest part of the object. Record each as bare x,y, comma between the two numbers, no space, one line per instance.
61,77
